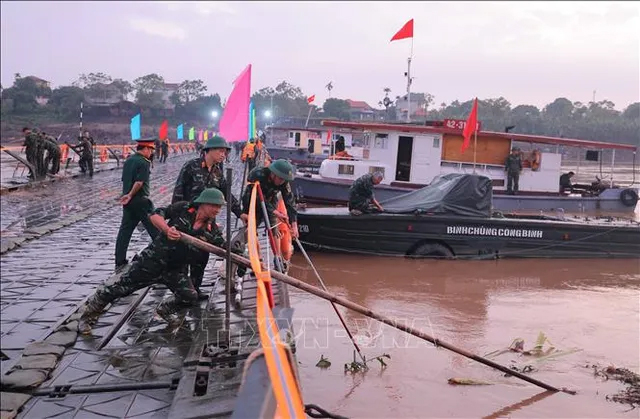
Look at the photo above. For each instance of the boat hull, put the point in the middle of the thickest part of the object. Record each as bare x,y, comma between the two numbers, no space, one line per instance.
334,229
322,191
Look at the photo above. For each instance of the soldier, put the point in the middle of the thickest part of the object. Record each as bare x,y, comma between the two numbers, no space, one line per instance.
30,149
165,150
361,198
273,179
163,261
249,154
85,149
136,205
195,176
40,149
513,167
53,154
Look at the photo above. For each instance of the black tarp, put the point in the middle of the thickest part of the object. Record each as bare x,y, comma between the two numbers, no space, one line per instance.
454,193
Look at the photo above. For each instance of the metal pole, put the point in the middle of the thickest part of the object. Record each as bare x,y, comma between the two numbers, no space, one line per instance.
306,124
227,308
409,88
475,148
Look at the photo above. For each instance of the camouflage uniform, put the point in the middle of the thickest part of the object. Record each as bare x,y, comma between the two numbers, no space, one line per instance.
85,149
513,166
162,262
361,195
194,178
270,192
31,142
53,154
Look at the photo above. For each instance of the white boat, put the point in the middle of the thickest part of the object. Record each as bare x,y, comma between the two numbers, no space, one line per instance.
410,156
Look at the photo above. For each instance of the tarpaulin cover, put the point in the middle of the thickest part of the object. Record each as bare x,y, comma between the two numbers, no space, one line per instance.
454,194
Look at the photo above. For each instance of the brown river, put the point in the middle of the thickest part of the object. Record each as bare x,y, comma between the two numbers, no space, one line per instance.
588,306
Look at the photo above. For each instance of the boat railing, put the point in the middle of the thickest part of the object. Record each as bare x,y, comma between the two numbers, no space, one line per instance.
459,165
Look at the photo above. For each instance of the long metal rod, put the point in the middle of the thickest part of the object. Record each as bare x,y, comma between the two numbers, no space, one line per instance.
324,287
272,239
368,312
123,318
227,305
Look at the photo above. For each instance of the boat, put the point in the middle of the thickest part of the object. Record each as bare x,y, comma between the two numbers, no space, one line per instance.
453,219
411,156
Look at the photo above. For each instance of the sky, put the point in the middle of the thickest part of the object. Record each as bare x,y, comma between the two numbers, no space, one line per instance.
527,52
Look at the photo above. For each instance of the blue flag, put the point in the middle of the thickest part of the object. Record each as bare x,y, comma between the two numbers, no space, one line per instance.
135,127
180,132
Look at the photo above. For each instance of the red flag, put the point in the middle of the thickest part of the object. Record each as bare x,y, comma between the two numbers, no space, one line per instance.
310,99
164,130
405,32
470,126
328,137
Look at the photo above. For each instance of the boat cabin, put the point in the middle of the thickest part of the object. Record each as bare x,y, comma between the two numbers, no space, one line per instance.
412,155
316,141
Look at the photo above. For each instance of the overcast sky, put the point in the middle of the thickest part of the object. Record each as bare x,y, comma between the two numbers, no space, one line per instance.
528,52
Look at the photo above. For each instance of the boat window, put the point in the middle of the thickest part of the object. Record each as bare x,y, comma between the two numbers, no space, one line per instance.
290,134
381,141
436,142
373,169
346,169
367,139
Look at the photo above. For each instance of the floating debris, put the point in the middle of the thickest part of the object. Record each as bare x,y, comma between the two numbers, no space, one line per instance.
631,394
355,366
324,362
468,382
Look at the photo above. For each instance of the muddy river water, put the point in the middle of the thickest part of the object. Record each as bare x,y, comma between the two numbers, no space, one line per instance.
589,305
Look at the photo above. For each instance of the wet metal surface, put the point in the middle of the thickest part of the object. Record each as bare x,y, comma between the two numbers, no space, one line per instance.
479,306
46,279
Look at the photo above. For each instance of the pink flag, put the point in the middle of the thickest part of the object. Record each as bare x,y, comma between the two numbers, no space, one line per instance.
200,136
234,124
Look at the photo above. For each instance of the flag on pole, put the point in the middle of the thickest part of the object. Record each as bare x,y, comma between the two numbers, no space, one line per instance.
255,125
179,132
206,134
135,127
192,134
405,32
163,133
471,125
251,133
234,124
328,142
311,98
200,133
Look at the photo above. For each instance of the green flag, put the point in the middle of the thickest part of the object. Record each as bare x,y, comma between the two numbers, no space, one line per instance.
192,134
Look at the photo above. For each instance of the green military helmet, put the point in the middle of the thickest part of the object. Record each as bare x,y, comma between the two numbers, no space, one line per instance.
211,196
216,142
282,169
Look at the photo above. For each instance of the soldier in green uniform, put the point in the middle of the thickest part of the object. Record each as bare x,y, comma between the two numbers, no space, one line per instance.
85,150
30,148
163,261
361,198
136,205
53,154
273,179
513,167
196,175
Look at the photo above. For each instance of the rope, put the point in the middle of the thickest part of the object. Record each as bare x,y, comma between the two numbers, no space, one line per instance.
515,252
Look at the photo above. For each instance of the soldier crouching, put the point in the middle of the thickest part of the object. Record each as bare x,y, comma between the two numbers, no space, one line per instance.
165,259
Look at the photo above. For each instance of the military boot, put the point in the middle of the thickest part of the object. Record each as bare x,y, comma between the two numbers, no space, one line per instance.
167,311
92,311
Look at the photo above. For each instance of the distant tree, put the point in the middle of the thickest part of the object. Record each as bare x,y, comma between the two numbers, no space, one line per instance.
65,100
87,80
190,90
336,108
632,112
147,90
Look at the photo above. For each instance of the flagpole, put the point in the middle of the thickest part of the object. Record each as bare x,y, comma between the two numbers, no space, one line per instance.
475,148
306,124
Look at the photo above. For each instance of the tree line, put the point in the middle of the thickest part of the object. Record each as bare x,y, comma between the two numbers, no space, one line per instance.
193,103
